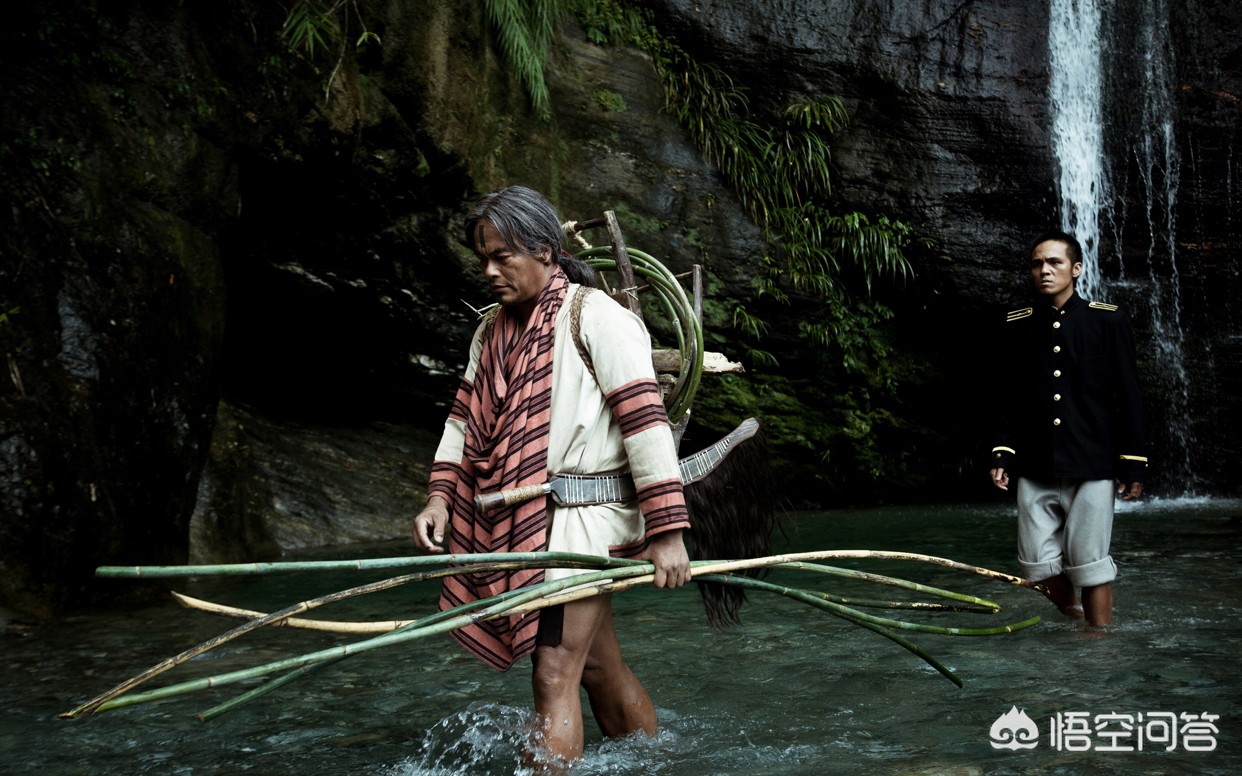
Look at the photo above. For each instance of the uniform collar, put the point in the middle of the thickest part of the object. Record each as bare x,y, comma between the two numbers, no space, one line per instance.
1070,305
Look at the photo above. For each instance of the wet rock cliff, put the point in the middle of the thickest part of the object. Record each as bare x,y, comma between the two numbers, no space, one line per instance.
233,304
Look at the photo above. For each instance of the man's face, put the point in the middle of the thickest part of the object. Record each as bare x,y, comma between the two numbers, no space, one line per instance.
515,279
1052,273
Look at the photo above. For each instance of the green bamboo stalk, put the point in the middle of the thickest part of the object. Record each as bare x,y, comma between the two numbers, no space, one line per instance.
495,607
298,673
545,559
922,606
868,576
346,650
263,689
818,600
909,646
309,668
844,613
299,608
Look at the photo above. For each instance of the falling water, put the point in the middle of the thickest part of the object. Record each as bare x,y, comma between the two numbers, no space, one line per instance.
1078,127
1156,159
1113,67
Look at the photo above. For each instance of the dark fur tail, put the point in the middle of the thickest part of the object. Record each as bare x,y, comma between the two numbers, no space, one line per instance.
733,514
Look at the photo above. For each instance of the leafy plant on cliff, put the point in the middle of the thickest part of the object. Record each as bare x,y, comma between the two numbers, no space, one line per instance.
524,30
324,24
823,263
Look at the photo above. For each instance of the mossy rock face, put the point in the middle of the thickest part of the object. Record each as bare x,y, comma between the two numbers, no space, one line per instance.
192,212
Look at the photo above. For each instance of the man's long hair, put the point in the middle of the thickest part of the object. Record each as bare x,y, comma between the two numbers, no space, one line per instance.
528,224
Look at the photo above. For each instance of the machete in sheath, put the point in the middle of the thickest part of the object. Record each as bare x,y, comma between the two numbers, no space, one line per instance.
571,490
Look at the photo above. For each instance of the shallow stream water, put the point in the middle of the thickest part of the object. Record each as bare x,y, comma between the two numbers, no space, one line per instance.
793,690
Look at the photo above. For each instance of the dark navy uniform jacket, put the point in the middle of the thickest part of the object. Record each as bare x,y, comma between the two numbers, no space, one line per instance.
1070,395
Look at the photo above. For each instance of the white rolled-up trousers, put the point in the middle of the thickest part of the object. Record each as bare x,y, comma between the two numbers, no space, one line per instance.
1066,526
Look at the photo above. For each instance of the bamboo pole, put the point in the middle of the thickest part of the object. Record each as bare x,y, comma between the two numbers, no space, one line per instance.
387,626
547,559
409,633
587,591
535,596
867,576
265,688
309,668
329,626
974,603
298,608
360,564
820,601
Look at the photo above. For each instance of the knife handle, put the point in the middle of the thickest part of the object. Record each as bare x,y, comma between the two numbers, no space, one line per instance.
485,502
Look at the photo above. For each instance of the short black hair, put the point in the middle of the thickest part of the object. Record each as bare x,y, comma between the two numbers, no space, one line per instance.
1075,249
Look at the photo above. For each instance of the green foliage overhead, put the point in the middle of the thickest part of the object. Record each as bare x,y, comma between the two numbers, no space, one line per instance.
322,24
524,29
311,23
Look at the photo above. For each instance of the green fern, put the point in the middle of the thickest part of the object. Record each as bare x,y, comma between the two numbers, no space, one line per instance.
524,31
311,23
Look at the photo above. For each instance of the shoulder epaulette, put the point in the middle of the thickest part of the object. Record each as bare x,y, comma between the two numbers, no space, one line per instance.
1017,315
1112,308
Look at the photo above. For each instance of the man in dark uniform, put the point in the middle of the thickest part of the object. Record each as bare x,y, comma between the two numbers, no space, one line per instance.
1072,431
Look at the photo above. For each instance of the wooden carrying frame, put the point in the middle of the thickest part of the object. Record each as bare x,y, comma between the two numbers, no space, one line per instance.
667,362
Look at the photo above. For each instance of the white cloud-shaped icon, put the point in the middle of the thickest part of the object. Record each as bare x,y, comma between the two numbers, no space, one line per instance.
1014,730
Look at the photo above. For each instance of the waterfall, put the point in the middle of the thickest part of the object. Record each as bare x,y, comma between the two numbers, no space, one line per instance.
1158,165
1076,93
1112,97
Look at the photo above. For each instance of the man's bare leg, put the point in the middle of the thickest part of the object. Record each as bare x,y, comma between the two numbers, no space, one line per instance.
1097,604
1061,593
557,677
620,704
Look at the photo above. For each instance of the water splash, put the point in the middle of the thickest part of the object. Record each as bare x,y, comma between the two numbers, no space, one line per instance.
484,738
1076,92
491,739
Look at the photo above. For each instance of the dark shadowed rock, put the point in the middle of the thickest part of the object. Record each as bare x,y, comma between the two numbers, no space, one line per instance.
231,285
272,487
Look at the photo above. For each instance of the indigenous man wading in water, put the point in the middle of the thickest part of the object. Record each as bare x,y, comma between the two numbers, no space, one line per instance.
1071,430
529,405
